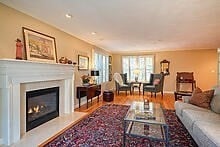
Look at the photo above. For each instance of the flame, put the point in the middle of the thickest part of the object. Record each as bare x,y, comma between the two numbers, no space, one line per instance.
30,111
36,109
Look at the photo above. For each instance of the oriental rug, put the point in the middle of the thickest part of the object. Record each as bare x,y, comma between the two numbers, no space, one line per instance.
104,128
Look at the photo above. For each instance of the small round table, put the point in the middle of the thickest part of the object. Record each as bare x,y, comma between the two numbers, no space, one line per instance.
136,84
108,95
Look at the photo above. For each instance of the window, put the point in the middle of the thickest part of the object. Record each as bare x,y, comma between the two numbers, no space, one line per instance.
101,63
142,66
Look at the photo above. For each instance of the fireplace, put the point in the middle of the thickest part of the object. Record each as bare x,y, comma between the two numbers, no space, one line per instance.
41,106
16,79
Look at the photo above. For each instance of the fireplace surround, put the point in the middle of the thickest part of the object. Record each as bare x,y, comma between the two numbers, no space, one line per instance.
19,76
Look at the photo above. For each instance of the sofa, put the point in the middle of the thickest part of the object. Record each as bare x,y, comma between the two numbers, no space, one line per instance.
203,124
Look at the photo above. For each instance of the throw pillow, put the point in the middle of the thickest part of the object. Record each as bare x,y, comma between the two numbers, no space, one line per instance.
156,81
215,103
197,90
201,98
118,79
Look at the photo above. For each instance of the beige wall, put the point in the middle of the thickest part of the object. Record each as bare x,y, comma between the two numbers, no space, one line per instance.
202,62
67,45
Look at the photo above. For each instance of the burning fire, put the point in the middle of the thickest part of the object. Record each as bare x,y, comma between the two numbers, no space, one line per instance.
35,109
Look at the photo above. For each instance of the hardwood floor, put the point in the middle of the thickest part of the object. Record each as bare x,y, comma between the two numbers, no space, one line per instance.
167,101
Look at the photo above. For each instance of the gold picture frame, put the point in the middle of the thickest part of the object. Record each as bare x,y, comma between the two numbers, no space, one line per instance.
165,67
39,46
83,62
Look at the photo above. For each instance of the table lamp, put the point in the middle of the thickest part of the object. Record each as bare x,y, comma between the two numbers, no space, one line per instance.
94,73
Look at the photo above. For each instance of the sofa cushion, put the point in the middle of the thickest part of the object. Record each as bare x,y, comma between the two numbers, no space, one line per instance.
202,115
186,99
202,99
192,116
215,103
180,106
208,132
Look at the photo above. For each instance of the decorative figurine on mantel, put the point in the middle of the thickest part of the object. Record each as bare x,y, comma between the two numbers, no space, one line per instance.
64,60
19,47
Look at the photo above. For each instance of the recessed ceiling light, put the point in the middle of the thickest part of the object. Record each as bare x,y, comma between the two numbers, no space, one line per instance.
68,16
93,33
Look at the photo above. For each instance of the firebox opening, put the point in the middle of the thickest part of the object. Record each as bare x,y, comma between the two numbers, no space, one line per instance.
41,106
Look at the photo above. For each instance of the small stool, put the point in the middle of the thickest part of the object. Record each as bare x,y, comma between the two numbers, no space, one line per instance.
108,95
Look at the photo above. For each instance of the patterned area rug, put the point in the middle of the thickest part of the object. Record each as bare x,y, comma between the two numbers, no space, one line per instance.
104,127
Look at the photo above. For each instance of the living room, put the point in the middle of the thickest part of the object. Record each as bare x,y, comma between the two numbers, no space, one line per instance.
197,52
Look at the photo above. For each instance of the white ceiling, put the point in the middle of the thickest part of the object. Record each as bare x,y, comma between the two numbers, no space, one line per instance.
132,25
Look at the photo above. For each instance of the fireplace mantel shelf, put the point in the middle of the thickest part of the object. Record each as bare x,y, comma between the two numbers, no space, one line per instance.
11,61
14,73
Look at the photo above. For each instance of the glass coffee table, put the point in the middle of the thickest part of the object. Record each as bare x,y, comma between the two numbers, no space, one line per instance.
147,122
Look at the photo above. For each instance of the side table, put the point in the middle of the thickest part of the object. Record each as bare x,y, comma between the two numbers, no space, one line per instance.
89,91
136,84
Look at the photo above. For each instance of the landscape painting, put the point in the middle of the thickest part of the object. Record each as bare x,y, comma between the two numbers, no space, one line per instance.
83,62
39,47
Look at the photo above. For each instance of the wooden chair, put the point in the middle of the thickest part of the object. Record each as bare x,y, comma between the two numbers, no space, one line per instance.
181,79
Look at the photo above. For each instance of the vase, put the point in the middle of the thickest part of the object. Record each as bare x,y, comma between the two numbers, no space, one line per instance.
19,46
136,78
85,84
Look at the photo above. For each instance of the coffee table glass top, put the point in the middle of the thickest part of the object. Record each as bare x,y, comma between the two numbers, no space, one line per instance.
139,113
146,121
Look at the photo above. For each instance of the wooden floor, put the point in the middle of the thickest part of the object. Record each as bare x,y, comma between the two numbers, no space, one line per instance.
167,101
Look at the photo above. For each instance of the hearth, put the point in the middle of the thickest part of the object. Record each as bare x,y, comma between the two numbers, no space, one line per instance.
41,106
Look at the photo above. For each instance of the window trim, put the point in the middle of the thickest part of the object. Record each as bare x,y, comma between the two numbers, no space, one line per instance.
105,78
150,55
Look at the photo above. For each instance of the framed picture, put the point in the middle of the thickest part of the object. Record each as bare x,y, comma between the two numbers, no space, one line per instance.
110,59
83,62
39,47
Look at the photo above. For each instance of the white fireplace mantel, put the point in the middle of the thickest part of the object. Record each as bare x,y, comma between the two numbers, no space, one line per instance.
14,73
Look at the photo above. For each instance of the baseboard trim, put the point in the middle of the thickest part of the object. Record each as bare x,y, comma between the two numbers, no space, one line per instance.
84,101
81,103
169,92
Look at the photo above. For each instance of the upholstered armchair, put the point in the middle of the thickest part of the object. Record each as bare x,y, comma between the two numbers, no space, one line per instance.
121,83
155,85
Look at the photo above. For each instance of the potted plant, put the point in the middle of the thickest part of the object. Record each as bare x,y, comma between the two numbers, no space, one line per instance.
85,79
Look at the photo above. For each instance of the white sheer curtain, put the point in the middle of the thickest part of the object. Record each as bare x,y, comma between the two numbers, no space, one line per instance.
141,66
